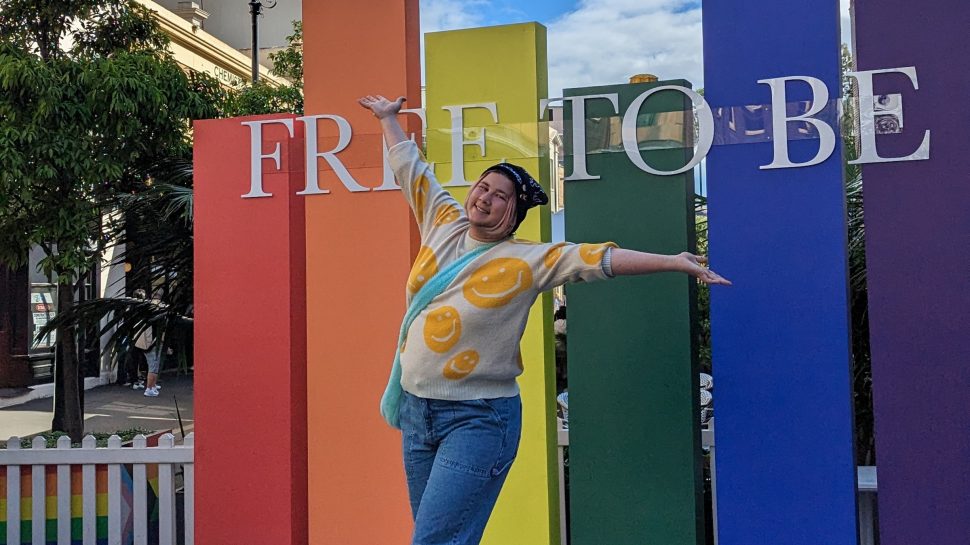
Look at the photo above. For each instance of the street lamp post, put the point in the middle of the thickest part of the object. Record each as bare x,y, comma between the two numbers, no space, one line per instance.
256,9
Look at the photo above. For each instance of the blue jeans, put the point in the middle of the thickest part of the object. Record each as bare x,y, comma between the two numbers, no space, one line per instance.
456,456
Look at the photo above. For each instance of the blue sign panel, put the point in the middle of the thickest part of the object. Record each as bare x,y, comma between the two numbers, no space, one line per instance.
780,335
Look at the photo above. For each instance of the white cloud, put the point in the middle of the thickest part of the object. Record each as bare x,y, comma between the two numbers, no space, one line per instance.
438,15
451,14
600,42
605,42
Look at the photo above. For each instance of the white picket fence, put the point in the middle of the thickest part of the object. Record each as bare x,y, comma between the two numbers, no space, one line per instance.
166,455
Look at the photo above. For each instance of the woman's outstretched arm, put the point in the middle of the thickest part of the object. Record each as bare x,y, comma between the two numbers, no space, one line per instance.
386,111
631,262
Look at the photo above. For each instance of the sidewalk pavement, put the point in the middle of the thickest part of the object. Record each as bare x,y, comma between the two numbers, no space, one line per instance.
108,409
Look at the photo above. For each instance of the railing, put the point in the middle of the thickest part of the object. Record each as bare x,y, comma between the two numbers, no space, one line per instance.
115,459
81,472
866,479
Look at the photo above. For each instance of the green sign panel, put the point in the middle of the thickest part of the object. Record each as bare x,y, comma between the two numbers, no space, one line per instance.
635,463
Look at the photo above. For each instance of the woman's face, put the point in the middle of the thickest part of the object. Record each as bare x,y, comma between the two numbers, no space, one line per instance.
488,204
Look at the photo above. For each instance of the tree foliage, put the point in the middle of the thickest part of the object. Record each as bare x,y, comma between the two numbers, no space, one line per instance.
288,63
262,98
155,234
703,329
155,226
78,126
95,151
858,291
89,100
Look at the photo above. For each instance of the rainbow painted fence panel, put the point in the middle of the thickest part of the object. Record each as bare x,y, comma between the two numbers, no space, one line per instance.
96,496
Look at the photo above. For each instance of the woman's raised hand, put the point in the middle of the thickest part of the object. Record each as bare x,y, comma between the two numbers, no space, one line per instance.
380,106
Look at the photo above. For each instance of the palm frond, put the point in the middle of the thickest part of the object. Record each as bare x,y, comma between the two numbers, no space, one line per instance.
151,231
123,319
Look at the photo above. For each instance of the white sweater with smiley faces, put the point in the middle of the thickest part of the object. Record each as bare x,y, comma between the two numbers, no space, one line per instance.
465,344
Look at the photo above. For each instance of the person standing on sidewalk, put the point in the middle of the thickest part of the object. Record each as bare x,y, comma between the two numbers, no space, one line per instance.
453,391
154,357
149,348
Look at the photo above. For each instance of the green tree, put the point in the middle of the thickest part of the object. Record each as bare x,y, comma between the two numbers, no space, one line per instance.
702,330
262,98
858,291
288,63
89,99
155,235
155,228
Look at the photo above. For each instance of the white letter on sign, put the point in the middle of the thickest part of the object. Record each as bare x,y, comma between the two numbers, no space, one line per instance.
704,140
579,133
867,119
256,155
389,184
458,141
343,139
780,119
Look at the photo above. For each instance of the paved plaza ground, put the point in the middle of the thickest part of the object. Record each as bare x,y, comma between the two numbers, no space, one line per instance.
108,409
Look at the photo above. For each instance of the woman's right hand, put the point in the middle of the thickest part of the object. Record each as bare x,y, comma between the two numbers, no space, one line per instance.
380,106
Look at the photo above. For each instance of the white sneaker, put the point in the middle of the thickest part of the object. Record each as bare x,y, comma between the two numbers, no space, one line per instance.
138,385
151,392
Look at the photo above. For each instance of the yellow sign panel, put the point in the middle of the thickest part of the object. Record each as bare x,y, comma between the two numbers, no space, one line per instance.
484,87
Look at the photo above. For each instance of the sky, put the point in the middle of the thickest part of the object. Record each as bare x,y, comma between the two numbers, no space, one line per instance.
661,37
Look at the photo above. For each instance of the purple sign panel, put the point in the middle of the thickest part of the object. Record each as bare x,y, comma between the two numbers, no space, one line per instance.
918,256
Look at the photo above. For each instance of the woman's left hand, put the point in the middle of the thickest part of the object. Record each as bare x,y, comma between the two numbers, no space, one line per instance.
694,266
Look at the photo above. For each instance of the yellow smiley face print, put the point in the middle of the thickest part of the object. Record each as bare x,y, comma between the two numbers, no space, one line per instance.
445,214
425,266
553,255
497,282
461,365
592,254
442,329
420,197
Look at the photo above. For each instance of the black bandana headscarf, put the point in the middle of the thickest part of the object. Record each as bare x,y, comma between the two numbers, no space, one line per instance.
528,192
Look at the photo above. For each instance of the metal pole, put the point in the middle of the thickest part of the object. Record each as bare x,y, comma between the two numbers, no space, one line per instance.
254,9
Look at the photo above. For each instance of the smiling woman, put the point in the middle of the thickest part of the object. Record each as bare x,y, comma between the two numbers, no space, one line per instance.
453,390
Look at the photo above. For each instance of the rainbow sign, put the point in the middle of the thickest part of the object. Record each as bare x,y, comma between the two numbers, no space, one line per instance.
303,246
